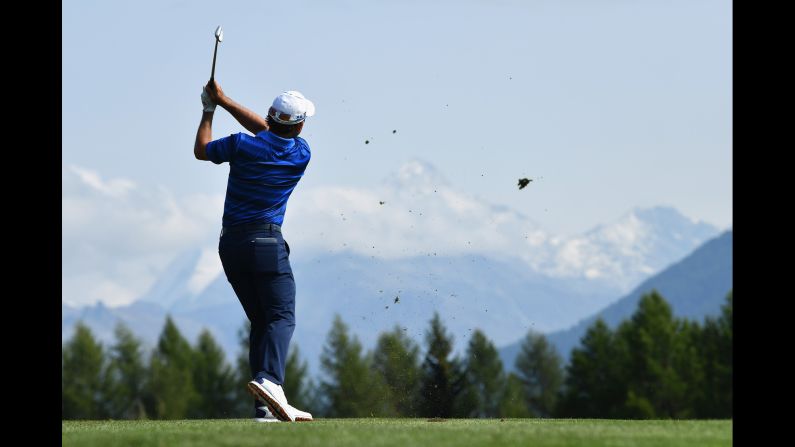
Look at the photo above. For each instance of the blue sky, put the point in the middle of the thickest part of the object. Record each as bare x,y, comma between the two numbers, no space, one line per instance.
607,105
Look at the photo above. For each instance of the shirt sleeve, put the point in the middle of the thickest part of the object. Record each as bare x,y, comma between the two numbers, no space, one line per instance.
223,149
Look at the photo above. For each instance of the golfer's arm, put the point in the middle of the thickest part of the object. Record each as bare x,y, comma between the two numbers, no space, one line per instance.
247,118
203,136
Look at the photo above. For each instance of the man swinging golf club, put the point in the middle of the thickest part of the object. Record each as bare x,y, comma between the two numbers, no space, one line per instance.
263,171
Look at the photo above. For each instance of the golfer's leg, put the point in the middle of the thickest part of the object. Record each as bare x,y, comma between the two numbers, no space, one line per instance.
278,305
244,285
256,340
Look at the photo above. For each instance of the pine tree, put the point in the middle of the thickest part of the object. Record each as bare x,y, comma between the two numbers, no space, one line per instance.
349,388
214,381
83,376
396,359
652,366
689,365
540,370
126,376
170,392
725,359
594,386
655,387
715,349
512,399
484,379
442,377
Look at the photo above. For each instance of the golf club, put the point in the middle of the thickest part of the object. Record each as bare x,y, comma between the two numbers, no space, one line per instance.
219,37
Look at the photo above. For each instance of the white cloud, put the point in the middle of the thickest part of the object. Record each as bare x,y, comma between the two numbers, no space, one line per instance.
421,214
117,236
112,188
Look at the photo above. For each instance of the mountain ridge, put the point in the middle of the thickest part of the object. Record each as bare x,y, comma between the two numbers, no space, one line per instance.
695,287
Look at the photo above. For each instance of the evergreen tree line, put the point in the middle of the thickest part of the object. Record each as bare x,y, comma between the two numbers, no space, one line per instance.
652,365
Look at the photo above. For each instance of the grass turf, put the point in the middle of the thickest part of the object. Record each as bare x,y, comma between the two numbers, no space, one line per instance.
400,432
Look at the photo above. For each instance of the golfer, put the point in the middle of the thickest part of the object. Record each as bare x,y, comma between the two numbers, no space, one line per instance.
263,171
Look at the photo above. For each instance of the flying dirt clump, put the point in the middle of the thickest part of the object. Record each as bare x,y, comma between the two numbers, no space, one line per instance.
524,182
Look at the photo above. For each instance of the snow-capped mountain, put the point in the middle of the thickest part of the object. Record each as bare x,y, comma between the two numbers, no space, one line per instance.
640,243
173,284
418,240
695,287
417,211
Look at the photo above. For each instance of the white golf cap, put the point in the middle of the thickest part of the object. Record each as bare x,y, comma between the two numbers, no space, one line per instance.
291,108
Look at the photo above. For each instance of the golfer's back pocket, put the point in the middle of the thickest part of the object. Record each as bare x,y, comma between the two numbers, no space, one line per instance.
266,254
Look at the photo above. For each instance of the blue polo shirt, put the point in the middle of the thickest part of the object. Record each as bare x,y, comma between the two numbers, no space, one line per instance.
263,171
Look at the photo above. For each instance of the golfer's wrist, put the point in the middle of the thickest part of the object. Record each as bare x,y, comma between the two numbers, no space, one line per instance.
224,102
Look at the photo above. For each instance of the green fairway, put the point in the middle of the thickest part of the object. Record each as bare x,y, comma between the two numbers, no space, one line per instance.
400,432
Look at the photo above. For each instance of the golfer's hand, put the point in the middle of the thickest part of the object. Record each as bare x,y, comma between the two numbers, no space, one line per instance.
207,102
215,92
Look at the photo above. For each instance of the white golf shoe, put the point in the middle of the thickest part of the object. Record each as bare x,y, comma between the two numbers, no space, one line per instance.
300,416
273,396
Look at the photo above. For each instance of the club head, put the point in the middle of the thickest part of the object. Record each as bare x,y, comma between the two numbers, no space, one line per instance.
219,34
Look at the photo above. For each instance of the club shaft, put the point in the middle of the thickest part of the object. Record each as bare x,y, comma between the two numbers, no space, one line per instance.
215,53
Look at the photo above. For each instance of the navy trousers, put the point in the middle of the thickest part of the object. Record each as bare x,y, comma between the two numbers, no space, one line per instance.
257,266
